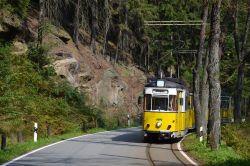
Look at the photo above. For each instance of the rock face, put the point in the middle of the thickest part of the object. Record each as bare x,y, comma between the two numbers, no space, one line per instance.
8,21
66,68
11,26
19,48
111,87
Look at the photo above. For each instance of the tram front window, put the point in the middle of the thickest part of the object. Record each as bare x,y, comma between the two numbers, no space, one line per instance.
224,104
160,103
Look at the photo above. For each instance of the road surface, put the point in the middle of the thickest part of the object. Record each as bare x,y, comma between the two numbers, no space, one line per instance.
115,148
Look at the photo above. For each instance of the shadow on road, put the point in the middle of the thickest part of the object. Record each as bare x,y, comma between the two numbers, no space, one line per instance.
130,136
136,136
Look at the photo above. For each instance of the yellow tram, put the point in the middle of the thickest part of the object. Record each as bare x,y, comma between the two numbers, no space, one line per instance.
168,111
226,109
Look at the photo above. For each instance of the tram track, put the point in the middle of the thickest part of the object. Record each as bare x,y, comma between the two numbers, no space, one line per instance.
149,158
173,151
166,157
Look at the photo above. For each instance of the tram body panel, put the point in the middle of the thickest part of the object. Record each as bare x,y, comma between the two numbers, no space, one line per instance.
191,114
169,122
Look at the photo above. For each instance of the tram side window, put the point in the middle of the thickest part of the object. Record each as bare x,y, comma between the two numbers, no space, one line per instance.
147,103
190,102
172,103
187,104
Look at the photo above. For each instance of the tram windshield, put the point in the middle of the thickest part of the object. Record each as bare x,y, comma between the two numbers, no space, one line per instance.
162,103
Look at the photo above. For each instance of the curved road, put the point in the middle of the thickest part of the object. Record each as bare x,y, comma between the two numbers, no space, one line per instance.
118,148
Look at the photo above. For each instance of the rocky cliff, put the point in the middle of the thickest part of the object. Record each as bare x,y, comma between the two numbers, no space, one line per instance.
110,86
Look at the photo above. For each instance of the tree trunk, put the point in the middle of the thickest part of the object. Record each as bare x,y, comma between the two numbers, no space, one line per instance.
241,56
94,25
117,47
197,72
238,93
248,107
96,123
4,141
107,24
204,96
84,126
147,58
19,136
214,128
142,49
197,105
49,130
40,26
76,23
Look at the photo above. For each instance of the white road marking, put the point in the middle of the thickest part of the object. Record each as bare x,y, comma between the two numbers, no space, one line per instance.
184,154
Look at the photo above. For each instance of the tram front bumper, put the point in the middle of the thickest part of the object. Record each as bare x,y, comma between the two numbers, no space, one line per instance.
162,134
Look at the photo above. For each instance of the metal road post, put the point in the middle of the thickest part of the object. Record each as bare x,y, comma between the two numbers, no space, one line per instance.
128,120
35,131
201,134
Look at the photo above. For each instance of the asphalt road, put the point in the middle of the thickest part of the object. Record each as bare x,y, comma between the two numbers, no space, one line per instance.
116,148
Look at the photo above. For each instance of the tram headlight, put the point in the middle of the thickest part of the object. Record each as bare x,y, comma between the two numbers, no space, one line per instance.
158,124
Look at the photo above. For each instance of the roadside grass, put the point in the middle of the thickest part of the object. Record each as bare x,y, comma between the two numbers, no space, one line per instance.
13,151
233,151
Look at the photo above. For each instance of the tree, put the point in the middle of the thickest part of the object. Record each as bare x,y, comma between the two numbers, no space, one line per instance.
241,52
204,95
214,128
4,141
118,46
76,22
40,28
199,119
94,24
107,24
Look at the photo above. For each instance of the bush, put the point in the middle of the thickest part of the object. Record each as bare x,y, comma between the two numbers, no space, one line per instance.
27,96
237,137
39,57
224,156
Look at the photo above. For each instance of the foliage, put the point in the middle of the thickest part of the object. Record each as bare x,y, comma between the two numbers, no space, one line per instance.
225,156
38,56
28,95
187,38
237,136
15,6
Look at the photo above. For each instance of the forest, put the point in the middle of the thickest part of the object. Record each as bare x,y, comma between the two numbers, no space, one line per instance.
207,44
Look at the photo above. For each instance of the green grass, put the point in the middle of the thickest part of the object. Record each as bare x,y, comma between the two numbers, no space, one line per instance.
18,149
225,156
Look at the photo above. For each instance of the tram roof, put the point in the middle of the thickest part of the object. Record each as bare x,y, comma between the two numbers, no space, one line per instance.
168,82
